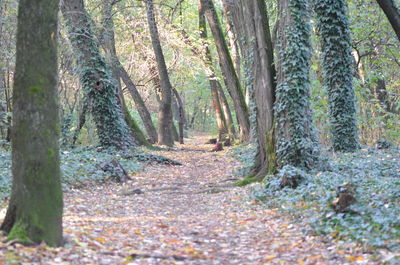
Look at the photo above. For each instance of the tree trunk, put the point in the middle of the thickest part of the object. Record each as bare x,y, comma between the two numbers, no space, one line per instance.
132,124
337,65
228,69
259,62
96,79
181,115
392,13
227,111
118,71
35,209
165,136
297,143
81,122
206,56
232,38
2,76
139,103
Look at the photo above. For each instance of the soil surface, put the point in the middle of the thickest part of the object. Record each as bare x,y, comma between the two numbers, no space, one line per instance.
188,214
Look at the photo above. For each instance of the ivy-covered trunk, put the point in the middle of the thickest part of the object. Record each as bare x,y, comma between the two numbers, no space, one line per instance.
228,69
297,143
165,133
35,208
260,74
98,86
337,65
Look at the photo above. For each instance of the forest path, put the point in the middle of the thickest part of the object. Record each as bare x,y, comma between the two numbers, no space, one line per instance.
189,214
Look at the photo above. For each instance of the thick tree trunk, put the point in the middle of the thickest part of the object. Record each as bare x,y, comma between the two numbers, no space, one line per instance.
337,65
392,13
258,55
165,136
96,80
35,210
228,69
297,143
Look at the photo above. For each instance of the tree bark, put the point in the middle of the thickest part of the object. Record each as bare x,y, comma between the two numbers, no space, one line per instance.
297,142
227,111
392,13
232,34
228,69
35,209
258,55
2,76
181,116
165,136
96,79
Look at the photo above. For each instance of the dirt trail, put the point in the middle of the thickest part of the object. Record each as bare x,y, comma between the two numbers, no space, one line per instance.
189,214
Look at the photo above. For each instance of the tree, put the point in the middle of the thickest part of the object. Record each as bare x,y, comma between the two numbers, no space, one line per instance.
228,69
119,72
180,115
95,75
338,64
207,59
221,109
250,19
165,121
392,13
35,209
297,143
259,57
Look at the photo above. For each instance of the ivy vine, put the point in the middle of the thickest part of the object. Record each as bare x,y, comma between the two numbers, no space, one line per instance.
98,87
297,142
337,66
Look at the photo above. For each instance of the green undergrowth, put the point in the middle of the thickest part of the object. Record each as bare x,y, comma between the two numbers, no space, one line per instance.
78,167
245,154
374,220
246,181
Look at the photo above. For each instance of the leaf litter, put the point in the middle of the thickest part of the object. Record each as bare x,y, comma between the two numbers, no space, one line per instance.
188,214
